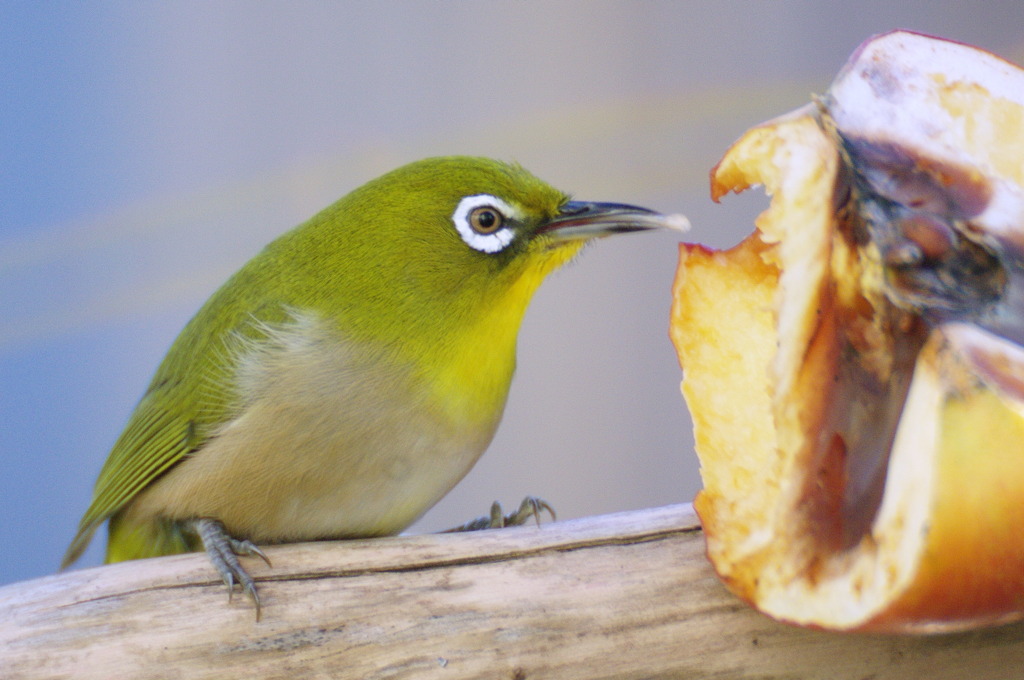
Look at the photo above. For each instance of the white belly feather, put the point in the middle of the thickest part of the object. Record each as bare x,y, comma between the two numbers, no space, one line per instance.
326,444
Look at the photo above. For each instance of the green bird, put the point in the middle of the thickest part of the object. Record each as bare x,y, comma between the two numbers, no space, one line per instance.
348,376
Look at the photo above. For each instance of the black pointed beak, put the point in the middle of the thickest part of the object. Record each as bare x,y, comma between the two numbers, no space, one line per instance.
581,220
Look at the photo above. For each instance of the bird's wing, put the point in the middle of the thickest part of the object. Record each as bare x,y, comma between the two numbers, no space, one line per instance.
156,437
185,402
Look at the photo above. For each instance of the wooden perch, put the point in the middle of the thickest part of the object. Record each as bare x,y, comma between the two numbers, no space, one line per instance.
624,596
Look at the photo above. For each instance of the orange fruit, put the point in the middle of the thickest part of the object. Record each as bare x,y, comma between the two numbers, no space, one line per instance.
854,367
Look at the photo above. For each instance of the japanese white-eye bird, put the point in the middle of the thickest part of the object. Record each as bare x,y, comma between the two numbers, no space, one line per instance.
345,378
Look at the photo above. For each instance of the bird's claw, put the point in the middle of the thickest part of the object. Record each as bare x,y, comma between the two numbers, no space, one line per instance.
249,549
530,507
223,551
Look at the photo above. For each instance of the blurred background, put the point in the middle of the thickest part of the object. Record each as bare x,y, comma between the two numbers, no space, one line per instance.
148,149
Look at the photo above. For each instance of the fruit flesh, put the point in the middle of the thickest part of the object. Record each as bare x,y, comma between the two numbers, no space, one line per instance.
742,285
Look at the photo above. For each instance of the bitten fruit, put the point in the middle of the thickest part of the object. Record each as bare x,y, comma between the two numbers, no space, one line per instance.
855,367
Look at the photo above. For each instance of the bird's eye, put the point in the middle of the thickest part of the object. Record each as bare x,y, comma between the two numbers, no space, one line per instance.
486,223
486,220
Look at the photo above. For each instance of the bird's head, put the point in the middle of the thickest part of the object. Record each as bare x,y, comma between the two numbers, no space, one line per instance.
458,235
434,264
441,256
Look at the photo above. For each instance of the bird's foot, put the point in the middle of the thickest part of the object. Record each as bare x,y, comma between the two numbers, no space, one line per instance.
223,551
530,507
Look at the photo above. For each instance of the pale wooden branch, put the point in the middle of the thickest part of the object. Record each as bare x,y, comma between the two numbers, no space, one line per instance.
629,595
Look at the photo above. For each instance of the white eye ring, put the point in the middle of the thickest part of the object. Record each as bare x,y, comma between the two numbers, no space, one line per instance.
486,243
